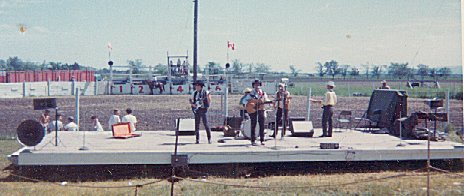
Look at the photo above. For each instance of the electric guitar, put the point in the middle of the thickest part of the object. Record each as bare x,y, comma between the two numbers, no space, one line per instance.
198,104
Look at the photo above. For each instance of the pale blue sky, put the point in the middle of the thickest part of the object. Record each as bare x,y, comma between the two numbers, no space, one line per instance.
275,32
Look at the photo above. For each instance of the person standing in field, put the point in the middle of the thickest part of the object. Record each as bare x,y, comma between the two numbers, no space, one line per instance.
384,85
330,100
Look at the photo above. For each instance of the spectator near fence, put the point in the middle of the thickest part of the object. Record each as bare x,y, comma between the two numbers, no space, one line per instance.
71,126
131,119
114,119
96,126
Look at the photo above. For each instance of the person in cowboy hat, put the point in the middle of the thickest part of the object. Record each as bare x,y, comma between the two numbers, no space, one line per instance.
258,95
243,112
282,109
330,100
200,101
384,85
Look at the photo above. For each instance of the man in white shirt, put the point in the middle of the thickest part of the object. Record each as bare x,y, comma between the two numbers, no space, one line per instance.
114,119
71,126
96,126
52,125
131,119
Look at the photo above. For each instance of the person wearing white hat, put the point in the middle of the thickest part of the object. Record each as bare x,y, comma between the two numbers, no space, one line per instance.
384,85
330,100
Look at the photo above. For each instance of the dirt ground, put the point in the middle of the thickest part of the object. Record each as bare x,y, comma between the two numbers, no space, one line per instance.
159,112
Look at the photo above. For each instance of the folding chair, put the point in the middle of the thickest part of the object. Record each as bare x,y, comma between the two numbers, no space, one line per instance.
344,118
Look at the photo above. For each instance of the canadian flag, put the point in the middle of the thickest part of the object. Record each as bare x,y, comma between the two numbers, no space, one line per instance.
230,45
110,47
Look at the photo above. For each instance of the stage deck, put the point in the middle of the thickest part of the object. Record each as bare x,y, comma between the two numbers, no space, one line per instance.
157,148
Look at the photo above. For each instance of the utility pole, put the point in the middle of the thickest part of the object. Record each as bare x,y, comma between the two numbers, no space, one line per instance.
195,26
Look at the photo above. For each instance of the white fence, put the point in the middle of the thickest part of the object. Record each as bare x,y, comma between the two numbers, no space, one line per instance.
40,89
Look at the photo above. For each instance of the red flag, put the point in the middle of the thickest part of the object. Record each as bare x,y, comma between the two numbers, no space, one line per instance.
230,45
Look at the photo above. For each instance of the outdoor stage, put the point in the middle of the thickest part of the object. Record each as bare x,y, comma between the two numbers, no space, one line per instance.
156,147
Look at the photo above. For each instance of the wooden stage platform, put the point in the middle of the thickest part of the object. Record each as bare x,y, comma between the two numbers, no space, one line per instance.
156,147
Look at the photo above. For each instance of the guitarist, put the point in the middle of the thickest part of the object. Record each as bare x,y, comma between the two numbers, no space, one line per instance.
259,96
282,108
200,102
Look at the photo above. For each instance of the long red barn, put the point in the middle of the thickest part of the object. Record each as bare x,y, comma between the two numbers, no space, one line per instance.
46,75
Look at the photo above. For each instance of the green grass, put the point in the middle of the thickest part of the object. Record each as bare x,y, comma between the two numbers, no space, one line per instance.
276,185
7,147
365,88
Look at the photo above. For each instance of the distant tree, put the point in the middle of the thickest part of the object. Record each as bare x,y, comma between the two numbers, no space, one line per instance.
55,65
136,65
344,70
410,73
422,70
237,66
2,64
321,71
76,66
367,68
433,73
14,63
377,70
262,68
399,69
332,68
294,71
250,67
214,68
354,72
444,72
44,65
161,69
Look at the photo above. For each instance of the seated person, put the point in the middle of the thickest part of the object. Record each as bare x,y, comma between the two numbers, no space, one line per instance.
71,126
131,119
96,126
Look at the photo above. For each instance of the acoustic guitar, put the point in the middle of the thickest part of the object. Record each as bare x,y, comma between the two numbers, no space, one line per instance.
254,104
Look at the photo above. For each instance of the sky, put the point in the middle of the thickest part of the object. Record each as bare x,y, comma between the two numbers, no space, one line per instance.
279,33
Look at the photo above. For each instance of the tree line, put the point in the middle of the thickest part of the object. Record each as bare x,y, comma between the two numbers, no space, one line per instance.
330,68
16,64
400,70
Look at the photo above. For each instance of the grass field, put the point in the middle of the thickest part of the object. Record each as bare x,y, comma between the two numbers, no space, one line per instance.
365,88
369,183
